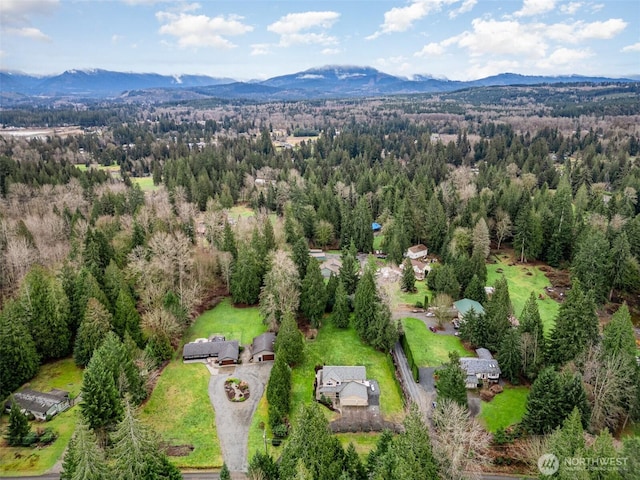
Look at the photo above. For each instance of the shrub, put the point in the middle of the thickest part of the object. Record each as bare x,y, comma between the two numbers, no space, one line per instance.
29,439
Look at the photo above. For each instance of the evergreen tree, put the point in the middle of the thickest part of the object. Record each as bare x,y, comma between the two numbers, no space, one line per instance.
475,290
475,329
541,412
353,468
46,311
436,225
620,275
408,281
375,456
445,281
118,361
19,359
510,355
263,467
312,295
114,281
618,337
279,392
229,241
268,234
533,341
350,269
224,472
330,293
84,459
18,425
301,256
245,279
101,406
312,444
362,232
93,329
451,380
341,310
568,442
499,310
290,342
365,303
126,318
527,240
591,264
135,451
576,326
561,228
481,240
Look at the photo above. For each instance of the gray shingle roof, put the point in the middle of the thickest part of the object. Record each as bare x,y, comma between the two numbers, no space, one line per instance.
211,349
354,389
475,366
38,402
484,354
263,343
344,373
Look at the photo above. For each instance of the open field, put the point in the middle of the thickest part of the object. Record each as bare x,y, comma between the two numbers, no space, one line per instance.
522,280
256,439
400,299
179,410
241,211
364,442
335,346
16,461
507,408
146,183
430,349
242,324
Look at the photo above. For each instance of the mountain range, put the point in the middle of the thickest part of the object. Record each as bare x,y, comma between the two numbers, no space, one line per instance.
323,82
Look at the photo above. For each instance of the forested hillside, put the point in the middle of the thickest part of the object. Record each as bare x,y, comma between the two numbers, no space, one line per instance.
97,267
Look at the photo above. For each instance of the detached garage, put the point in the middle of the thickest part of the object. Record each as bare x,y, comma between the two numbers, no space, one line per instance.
262,348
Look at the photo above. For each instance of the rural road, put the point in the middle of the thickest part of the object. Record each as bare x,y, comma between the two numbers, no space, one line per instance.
233,419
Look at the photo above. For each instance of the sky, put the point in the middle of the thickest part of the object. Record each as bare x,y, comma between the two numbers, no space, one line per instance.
257,39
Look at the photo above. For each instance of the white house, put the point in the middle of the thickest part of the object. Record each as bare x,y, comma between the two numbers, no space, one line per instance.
417,251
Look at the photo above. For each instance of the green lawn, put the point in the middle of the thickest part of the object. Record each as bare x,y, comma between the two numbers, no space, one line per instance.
335,346
430,349
241,211
62,374
146,183
377,241
180,411
256,439
506,408
364,442
403,299
521,285
241,324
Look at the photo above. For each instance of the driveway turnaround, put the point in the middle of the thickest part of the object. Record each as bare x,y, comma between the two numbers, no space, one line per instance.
233,419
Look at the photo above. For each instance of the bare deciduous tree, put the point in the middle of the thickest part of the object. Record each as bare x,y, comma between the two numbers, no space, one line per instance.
281,292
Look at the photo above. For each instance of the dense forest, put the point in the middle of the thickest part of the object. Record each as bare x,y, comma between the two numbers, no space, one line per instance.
95,267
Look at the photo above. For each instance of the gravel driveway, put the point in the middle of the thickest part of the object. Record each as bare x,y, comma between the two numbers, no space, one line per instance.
233,419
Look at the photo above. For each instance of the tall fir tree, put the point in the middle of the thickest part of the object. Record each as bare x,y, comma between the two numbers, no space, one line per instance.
451,380
290,342
510,356
533,340
301,255
279,392
312,294
101,406
19,360
126,318
245,278
576,326
591,265
84,459
365,303
341,310
561,228
408,281
93,330
362,232
499,310
118,361
18,425
350,269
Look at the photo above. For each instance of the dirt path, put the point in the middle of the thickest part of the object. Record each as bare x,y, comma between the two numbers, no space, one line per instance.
233,419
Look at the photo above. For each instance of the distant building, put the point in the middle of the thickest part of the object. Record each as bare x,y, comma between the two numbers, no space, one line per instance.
485,368
417,251
465,305
225,352
346,386
262,347
330,267
42,406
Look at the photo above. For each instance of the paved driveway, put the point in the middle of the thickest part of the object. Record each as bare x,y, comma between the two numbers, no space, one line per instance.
233,419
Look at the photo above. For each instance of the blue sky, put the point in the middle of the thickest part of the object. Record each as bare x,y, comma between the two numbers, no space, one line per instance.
244,39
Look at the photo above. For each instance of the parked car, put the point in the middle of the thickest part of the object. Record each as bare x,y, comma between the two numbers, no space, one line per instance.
456,324
433,329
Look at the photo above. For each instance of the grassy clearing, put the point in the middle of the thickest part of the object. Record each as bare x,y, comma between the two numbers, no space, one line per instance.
377,242
407,299
179,410
14,461
430,349
334,346
256,439
234,323
146,183
521,285
242,211
364,442
507,408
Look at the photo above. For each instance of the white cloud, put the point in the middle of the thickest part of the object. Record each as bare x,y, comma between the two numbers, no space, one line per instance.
400,19
487,69
431,50
295,22
466,6
564,57
571,8
580,31
144,2
632,48
331,51
29,32
260,49
506,37
201,30
535,7
293,28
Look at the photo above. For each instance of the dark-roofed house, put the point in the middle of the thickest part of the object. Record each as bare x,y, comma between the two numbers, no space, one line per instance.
225,352
465,305
417,251
485,368
330,267
41,405
346,386
262,348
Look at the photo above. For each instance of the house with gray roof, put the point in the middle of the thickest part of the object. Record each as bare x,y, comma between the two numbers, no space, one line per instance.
43,406
223,351
346,386
481,369
262,348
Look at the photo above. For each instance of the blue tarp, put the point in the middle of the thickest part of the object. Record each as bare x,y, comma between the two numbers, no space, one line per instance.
375,226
